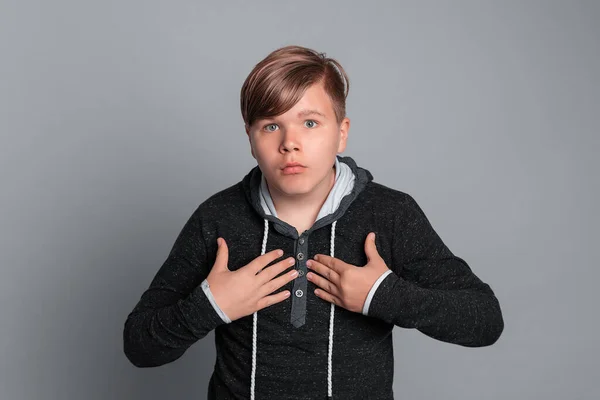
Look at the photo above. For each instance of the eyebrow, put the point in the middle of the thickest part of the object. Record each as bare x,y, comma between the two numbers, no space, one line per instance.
310,112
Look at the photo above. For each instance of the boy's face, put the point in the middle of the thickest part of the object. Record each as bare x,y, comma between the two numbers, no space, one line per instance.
299,135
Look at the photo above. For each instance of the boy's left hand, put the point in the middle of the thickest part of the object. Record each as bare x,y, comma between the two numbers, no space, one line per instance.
343,284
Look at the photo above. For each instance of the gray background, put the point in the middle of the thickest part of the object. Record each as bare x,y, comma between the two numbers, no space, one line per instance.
119,117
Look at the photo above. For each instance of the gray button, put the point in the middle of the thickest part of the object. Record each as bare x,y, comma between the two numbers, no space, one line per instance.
301,240
299,293
300,272
300,256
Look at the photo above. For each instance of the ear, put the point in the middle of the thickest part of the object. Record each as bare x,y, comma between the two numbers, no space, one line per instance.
344,129
250,140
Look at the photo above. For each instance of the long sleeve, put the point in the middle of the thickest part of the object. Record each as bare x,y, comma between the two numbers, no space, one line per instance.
206,287
371,293
432,290
174,312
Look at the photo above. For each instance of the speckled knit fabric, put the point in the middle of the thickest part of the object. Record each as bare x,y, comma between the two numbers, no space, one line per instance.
429,289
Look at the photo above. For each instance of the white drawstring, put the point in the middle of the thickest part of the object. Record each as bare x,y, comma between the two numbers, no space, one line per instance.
329,384
254,335
262,252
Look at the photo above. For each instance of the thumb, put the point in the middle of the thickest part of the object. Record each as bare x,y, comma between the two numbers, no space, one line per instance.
370,247
222,254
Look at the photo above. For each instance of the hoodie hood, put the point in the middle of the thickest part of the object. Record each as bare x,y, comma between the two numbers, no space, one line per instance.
350,181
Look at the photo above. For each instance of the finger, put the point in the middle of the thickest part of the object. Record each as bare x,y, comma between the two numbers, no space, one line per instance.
268,273
328,297
261,261
324,270
274,284
334,263
222,254
273,299
323,283
370,247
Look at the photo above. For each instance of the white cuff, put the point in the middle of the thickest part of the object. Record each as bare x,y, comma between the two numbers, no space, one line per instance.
365,310
206,288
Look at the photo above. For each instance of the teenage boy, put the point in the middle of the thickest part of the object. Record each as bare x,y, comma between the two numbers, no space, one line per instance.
363,258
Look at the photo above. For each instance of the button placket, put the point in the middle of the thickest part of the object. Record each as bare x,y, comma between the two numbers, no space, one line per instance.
299,289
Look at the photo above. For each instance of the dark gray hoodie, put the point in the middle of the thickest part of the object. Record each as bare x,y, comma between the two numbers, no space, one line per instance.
305,347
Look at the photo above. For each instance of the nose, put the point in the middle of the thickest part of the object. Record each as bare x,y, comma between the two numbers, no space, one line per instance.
289,142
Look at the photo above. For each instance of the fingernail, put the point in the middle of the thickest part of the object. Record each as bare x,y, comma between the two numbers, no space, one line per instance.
294,273
279,252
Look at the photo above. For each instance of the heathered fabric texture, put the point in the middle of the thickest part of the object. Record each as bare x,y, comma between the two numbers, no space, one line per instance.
429,289
344,183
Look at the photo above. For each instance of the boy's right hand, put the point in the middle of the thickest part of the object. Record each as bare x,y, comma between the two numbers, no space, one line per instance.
244,291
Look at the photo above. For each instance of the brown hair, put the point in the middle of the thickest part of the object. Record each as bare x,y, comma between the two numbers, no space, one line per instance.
280,80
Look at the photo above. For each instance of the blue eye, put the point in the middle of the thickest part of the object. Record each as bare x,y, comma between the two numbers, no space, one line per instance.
314,123
270,130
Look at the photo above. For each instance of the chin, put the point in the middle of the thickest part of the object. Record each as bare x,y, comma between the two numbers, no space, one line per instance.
294,186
